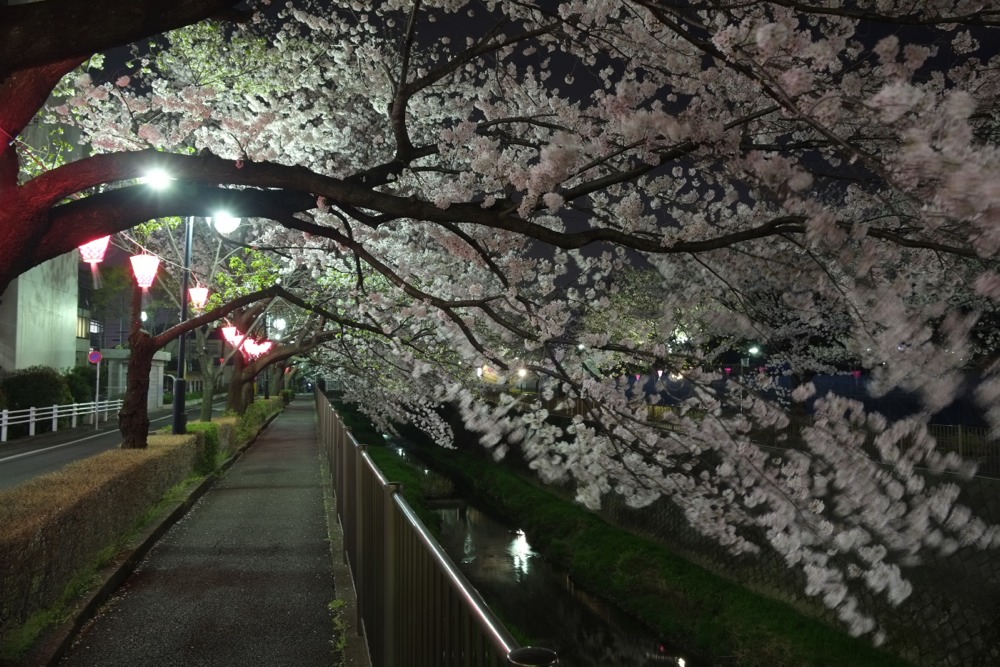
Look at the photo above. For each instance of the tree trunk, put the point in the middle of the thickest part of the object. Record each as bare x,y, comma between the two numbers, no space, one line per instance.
209,374
240,395
133,419
240,389
275,379
207,395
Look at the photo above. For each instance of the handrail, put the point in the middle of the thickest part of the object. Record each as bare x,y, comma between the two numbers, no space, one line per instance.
415,608
501,637
98,410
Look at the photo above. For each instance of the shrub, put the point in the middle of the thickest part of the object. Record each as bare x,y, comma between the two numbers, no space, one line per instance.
287,395
81,380
210,436
36,386
256,416
168,398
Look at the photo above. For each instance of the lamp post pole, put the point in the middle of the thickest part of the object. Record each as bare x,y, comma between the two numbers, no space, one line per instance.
180,380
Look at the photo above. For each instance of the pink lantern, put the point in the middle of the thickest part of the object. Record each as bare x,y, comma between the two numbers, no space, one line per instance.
93,251
254,349
232,336
728,369
144,267
199,296
250,348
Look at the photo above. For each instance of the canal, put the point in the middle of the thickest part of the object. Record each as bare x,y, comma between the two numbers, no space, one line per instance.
541,603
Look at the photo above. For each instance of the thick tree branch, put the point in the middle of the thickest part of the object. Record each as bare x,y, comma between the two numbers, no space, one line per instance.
35,33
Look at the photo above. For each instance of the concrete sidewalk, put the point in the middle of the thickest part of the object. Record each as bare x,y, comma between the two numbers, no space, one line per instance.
245,578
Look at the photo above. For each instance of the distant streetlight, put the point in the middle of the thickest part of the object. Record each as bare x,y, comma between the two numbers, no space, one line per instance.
754,350
279,326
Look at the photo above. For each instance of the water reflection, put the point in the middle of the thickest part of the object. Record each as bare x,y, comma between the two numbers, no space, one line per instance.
521,552
529,594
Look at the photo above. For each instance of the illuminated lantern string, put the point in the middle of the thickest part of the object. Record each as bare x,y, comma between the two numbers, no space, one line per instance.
92,252
232,336
144,267
250,348
254,349
199,296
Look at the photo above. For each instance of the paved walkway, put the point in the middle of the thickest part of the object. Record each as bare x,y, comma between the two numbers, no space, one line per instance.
245,578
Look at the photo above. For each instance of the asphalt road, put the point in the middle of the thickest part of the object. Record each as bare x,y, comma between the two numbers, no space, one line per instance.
26,458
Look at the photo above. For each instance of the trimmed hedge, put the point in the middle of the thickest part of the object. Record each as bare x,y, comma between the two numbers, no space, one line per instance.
53,528
56,524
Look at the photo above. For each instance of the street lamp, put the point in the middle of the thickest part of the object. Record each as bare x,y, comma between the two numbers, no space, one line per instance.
225,224
180,380
279,326
160,180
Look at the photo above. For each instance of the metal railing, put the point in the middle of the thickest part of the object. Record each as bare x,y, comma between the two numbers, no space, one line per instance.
415,607
73,414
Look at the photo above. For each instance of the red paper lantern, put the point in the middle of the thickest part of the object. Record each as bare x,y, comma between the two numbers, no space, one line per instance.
232,335
253,349
144,267
198,295
93,251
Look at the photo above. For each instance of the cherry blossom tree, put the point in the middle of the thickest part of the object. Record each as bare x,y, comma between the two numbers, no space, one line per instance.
133,418
469,181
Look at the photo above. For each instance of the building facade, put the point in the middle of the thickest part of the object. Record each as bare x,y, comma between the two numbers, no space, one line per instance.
40,317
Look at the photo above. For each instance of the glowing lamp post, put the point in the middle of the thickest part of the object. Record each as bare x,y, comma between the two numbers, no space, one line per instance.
198,296
160,180
224,223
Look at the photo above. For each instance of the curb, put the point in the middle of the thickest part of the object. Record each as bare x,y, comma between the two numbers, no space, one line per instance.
54,643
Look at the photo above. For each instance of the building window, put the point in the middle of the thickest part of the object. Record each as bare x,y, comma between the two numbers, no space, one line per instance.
82,327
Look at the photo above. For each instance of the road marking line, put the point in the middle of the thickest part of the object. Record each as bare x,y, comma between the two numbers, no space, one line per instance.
72,442
49,449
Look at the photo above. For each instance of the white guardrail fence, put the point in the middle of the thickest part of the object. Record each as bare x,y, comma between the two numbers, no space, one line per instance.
69,416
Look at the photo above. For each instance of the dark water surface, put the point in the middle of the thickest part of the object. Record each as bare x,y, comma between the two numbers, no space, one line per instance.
530,595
